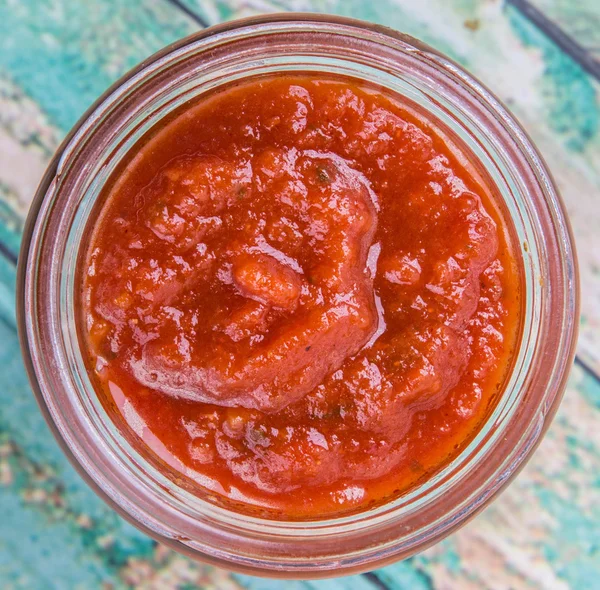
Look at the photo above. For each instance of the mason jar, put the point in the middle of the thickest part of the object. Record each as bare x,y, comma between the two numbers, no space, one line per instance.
66,206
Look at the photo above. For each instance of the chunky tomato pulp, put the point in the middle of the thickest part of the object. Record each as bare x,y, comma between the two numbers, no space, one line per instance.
301,295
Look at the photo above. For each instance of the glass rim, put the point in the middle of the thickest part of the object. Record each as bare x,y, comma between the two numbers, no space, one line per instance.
362,524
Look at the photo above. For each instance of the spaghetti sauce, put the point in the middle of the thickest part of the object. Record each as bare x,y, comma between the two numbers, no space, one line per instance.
300,295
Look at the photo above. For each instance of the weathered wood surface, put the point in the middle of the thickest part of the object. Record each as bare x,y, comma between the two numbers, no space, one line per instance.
57,56
580,20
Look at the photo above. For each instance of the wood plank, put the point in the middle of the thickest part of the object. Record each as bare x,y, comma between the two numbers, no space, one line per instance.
349,583
56,58
580,20
567,43
64,54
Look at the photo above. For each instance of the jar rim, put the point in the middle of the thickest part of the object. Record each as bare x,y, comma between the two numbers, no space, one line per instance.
376,539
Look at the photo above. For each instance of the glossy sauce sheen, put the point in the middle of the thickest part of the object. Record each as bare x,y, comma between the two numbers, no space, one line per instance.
301,296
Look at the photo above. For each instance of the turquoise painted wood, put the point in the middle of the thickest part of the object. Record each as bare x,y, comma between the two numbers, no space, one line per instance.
580,20
57,56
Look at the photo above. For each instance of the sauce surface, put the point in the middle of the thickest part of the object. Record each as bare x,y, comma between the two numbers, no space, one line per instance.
301,295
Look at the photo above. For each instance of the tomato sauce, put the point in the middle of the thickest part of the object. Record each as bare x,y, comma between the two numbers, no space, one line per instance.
300,295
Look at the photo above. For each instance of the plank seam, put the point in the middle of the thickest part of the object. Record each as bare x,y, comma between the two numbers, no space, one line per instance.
587,368
376,581
8,254
555,33
190,13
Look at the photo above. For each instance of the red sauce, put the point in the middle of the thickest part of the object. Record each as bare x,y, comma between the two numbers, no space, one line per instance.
301,295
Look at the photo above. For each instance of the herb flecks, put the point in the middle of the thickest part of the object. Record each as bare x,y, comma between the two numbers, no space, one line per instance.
323,176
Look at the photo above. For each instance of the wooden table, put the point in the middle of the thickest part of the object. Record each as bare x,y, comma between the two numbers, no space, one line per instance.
57,56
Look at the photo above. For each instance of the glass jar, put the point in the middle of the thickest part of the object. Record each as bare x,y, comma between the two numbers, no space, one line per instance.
67,201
